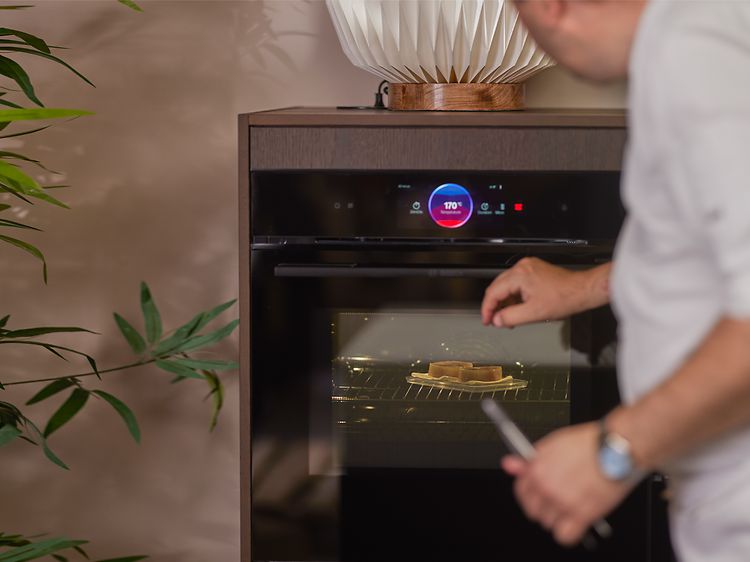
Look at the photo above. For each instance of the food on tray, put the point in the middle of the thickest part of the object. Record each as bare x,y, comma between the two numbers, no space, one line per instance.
484,374
465,377
464,371
440,369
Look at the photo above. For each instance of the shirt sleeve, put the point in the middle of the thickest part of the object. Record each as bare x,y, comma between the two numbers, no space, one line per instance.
706,105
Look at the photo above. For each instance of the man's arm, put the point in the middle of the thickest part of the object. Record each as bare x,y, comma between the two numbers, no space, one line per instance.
562,487
534,290
709,395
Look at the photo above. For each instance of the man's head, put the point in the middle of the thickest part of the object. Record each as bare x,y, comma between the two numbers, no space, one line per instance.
592,38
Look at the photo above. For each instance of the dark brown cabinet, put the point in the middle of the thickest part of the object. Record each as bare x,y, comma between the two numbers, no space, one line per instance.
347,285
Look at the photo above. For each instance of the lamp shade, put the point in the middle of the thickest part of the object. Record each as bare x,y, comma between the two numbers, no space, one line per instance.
438,41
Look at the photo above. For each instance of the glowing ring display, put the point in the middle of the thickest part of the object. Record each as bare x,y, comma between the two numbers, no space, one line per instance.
450,205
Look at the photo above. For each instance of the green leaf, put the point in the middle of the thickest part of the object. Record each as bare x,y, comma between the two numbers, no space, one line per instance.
186,330
52,456
31,332
52,349
8,433
14,193
65,413
16,156
197,342
217,396
33,250
9,414
93,366
15,72
49,57
59,558
4,320
206,317
206,364
16,180
50,390
10,115
137,344
36,193
150,315
179,370
125,413
7,103
13,540
23,133
131,4
82,552
126,558
39,549
14,224
27,38
43,444
19,179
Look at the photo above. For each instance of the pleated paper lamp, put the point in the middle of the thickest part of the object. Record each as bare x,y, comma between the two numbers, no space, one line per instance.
441,54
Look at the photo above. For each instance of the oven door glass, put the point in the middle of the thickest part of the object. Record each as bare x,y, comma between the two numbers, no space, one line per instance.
355,449
389,412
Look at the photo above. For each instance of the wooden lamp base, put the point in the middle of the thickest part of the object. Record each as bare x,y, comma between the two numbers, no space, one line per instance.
455,97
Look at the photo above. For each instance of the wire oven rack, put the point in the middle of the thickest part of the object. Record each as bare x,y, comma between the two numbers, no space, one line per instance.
389,384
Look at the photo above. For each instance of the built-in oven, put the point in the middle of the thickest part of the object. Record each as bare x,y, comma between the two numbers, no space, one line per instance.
359,282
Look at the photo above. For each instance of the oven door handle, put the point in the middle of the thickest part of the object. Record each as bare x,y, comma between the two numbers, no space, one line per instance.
374,272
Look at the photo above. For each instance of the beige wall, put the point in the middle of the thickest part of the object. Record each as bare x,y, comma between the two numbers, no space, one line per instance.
153,197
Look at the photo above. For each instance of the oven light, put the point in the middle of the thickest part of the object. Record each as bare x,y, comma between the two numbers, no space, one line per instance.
369,407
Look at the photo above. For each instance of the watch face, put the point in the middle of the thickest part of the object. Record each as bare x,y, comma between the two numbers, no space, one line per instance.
615,464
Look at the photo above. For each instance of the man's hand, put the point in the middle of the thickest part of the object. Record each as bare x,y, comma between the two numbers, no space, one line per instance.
562,487
534,290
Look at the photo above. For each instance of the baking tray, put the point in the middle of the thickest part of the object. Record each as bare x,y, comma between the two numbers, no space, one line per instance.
452,383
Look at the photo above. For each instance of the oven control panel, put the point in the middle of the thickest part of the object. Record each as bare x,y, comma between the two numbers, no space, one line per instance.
451,205
422,204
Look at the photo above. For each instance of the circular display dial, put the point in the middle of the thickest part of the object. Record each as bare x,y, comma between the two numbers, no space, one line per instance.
450,205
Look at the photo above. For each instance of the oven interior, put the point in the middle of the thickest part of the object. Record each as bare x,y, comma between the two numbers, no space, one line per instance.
380,419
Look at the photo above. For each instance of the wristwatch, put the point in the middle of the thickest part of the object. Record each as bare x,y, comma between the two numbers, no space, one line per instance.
615,456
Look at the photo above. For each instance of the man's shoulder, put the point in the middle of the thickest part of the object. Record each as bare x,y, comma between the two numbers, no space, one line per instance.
696,52
679,23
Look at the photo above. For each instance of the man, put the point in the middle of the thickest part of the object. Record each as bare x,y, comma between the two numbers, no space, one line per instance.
680,279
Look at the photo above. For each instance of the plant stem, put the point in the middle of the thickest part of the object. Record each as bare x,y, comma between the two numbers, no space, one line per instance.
89,374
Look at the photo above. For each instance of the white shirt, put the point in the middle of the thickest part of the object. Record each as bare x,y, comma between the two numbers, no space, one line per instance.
683,258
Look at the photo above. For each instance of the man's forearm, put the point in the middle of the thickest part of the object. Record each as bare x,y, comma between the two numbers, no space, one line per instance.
597,286
707,396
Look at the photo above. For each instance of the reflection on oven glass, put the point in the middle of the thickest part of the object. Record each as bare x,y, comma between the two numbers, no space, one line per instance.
294,513
384,416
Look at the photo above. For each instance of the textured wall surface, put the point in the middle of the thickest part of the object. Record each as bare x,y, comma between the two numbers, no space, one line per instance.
153,197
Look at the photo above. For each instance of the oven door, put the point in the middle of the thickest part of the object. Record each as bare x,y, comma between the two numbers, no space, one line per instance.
353,458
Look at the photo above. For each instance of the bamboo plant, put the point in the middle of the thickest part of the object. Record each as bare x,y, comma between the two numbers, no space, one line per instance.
172,352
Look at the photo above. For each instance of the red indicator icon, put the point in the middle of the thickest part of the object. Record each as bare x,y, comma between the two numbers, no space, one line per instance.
518,206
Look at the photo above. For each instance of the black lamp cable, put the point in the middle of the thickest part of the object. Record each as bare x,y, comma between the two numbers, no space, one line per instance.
379,104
